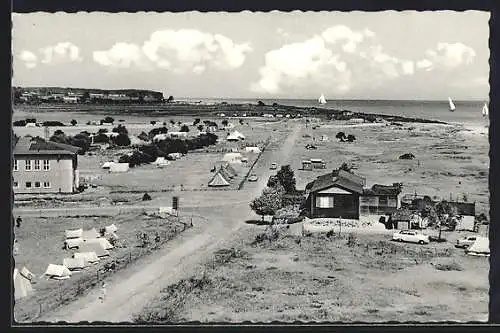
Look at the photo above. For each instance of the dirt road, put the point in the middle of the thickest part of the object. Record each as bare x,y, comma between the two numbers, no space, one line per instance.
129,290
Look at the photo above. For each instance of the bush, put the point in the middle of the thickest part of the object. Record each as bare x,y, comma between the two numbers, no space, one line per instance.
453,266
52,123
121,140
146,197
101,138
73,122
19,123
120,129
184,128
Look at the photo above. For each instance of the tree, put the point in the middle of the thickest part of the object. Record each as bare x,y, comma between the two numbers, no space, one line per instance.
224,123
121,140
241,121
143,136
200,128
287,179
172,122
85,96
196,121
341,136
345,167
120,129
153,122
351,138
101,138
268,203
273,181
184,128
445,212
170,99
260,103
73,122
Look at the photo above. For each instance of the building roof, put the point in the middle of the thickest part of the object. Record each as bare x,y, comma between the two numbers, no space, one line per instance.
39,146
337,178
377,189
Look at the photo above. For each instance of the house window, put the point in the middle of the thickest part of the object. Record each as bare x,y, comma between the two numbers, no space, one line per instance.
16,166
46,184
15,184
37,164
27,166
37,184
382,201
324,202
28,184
46,164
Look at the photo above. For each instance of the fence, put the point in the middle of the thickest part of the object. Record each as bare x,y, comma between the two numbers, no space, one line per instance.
240,186
67,292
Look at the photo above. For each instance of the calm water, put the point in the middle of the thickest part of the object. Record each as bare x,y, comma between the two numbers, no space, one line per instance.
467,112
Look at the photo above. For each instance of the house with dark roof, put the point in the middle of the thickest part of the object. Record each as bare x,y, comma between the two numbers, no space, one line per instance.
42,166
335,194
342,194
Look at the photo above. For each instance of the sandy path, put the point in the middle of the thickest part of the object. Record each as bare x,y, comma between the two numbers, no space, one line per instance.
130,290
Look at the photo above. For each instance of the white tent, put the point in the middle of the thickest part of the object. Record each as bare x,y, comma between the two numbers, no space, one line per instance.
111,228
175,155
58,272
481,247
255,150
91,233
73,242
101,241
232,157
73,233
119,167
90,257
161,161
74,264
99,250
235,136
107,165
160,137
466,223
218,180
22,283
166,211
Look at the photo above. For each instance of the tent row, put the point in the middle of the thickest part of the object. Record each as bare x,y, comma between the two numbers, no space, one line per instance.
223,176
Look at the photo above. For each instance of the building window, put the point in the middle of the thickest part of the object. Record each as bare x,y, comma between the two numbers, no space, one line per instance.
15,184
27,166
37,164
37,184
324,202
46,164
46,184
28,184
382,201
16,166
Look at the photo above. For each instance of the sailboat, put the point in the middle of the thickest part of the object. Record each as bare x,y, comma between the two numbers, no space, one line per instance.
485,111
452,106
322,99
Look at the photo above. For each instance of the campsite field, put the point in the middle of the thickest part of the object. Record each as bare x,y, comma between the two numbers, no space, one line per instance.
41,243
324,279
448,159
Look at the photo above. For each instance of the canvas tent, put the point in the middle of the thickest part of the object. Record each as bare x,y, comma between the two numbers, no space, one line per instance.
90,234
161,161
58,272
73,242
235,136
232,157
111,228
218,180
481,247
103,242
89,257
174,155
75,264
107,165
99,250
73,233
22,283
119,167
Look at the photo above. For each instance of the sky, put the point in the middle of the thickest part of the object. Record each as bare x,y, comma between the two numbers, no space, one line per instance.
343,55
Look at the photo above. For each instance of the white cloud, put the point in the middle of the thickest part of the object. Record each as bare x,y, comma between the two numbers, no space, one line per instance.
61,53
368,33
184,50
341,32
424,64
448,56
408,67
120,55
29,59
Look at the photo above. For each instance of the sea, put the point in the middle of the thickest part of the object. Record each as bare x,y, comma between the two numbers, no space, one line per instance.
467,113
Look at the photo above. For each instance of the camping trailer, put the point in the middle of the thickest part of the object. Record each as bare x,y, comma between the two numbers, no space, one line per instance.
119,167
318,163
307,165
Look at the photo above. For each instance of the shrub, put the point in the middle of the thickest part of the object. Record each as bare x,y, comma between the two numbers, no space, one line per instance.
101,138
120,129
20,123
52,123
146,197
453,266
73,122
121,140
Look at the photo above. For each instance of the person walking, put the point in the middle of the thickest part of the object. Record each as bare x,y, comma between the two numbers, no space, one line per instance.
102,297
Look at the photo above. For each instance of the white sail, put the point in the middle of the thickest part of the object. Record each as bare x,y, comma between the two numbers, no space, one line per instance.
486,112
452,106
322,99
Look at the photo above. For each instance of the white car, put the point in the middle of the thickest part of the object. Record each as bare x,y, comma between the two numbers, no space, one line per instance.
274,166
411,236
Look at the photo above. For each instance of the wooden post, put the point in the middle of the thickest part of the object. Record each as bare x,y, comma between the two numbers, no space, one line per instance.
130,256
40,308
97,271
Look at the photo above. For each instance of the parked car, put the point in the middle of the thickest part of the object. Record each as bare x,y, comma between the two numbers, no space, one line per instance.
274,166
465,242
411,236
253,178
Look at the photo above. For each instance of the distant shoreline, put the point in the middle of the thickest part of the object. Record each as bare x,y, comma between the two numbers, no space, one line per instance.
229,110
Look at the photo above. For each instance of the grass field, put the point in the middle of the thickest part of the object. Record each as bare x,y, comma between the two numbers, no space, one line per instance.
41,243
325,279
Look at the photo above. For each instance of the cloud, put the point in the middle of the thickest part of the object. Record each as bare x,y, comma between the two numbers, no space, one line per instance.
447,56
120,55
341,33
192,50
29,59
408,67
61,53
